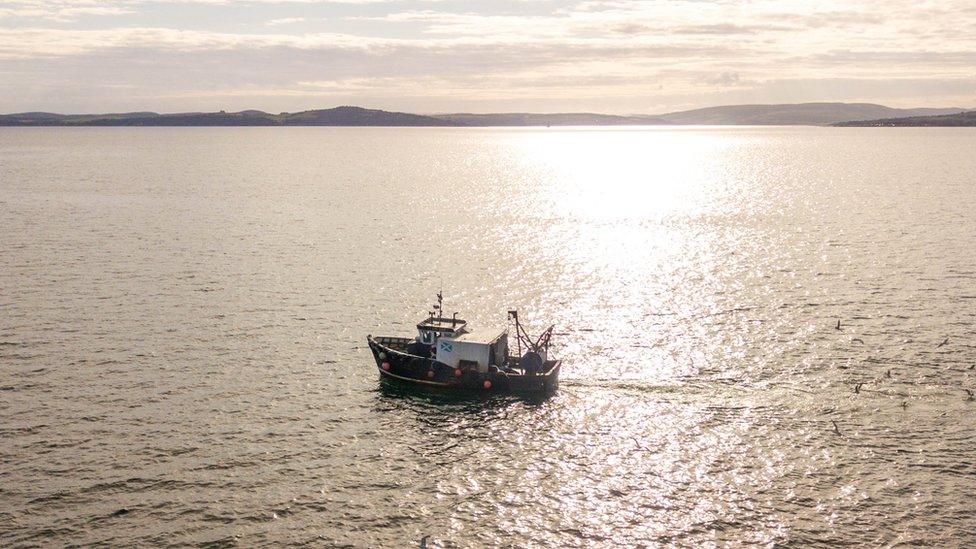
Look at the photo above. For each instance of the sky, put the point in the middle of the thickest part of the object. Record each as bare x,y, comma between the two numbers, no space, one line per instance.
435,56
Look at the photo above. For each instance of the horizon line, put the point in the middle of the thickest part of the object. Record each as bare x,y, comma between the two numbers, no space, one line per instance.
482,113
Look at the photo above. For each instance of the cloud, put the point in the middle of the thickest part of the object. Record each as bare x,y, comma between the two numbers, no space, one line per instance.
65,11
723,79
631,55
45,42
286,21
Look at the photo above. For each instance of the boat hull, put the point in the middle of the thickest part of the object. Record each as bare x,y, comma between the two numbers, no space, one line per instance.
395,364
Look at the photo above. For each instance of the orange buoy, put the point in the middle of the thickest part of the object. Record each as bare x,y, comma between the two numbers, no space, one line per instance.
386,366
430,374
487,384
457,372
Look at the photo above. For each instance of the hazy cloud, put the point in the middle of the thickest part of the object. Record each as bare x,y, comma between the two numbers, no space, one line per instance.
610,56
285,21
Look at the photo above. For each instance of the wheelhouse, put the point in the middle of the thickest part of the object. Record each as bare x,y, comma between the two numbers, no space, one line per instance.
436,327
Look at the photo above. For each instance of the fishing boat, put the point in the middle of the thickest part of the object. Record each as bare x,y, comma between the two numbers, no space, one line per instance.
447,353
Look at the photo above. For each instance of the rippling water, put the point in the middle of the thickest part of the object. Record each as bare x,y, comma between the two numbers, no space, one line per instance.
184,313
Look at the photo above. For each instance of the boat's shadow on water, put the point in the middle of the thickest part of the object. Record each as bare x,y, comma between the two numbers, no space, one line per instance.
406,397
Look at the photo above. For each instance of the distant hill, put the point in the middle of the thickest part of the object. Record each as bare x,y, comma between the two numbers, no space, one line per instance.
52,119
795,114
356,116
798,114
959,119
557,119
339,116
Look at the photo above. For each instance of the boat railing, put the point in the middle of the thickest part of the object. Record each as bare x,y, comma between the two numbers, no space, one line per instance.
394,343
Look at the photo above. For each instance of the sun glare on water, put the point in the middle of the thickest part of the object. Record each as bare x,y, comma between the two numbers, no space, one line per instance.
626,218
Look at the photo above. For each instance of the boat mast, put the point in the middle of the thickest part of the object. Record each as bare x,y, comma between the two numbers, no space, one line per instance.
539,345
513,315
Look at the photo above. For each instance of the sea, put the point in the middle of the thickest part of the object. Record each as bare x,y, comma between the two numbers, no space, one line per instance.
768,336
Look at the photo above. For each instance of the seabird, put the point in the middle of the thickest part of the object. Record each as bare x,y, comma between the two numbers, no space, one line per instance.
838,325
944,342
836,428
857,388
888,373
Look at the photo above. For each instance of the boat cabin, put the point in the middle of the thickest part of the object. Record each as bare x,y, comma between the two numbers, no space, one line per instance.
435,327
475,350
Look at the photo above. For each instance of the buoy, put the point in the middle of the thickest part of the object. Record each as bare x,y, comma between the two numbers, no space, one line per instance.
457,372
430,374
386,366
487,384
382,356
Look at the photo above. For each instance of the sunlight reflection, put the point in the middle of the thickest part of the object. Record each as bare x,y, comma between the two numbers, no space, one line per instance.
640,234
627,174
